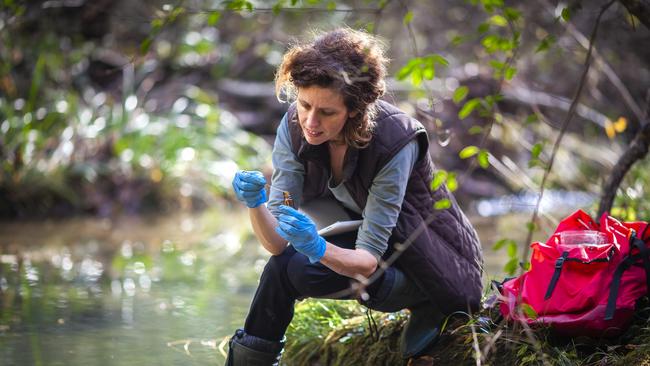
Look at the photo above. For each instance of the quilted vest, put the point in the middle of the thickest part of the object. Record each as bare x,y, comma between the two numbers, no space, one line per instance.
443,255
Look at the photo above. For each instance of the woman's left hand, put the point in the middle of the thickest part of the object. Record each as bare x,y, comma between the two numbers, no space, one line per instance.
300,231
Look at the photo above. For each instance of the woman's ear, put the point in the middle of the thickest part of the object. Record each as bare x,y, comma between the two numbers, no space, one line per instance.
353,114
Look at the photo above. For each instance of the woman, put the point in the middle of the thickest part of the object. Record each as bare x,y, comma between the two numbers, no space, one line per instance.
339,140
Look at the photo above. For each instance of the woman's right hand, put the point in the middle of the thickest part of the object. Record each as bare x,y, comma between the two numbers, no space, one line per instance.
249,188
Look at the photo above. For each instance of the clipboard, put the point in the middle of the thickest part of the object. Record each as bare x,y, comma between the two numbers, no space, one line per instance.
329,216
340,227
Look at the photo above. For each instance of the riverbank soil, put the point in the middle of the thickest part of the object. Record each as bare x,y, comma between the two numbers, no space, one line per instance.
466,338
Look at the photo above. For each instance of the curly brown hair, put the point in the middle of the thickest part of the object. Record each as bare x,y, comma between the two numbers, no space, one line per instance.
348,61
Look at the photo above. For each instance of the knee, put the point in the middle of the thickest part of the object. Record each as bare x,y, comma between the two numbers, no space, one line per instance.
277,264
297,270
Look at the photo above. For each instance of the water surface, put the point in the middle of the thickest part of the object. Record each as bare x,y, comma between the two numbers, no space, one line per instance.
129,291
160,290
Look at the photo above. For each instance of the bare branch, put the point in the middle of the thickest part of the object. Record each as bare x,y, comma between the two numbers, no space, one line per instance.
604,66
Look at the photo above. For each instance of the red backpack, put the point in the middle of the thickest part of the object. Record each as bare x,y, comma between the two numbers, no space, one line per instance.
587,289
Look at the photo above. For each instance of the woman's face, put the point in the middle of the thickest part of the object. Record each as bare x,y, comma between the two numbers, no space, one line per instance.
322,114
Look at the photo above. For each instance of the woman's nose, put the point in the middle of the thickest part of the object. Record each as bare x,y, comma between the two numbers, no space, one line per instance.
312,119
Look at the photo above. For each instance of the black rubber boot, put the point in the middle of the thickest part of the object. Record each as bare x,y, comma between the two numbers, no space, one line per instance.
247,350
422,329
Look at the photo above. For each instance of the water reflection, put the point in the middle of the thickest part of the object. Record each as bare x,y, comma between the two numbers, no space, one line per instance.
124,292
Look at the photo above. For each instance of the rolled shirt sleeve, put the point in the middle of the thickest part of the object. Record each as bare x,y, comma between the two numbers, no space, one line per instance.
288,172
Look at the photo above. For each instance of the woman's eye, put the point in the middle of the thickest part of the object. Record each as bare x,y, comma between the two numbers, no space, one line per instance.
328,113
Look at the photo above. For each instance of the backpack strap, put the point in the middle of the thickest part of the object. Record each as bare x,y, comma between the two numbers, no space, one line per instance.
616,283
644,256
556,275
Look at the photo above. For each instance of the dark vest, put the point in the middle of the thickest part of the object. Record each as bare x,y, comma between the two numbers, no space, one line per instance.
443,254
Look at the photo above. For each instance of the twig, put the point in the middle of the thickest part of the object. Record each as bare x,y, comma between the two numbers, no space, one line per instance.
606,68
475,344
378,14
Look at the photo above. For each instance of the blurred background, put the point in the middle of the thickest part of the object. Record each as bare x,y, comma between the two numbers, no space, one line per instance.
122,124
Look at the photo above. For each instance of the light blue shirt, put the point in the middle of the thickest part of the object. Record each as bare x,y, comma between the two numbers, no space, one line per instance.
384,197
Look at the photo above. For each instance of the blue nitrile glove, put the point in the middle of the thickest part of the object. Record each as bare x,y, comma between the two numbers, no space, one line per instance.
301,232
249,188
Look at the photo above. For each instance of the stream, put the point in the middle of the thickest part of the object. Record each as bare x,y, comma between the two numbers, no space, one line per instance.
141,290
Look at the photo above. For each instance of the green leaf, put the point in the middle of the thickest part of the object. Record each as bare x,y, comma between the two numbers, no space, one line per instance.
501,243
511,14
156,24
214,17
442,204
468,152
545,43
496,64
531,226
416,76
491,100
566,14
239,5
483,160
437,59
491,43
429,72
536,150
457,40
439,179
498,20
529,311
460,93
475,130
510,73
452,183
468,107
420,68
405,71
531,118
277,7
331,6
408,18
145,45
483,27
512,249
510,267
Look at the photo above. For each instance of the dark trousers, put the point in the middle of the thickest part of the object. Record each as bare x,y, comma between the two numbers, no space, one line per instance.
290,276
